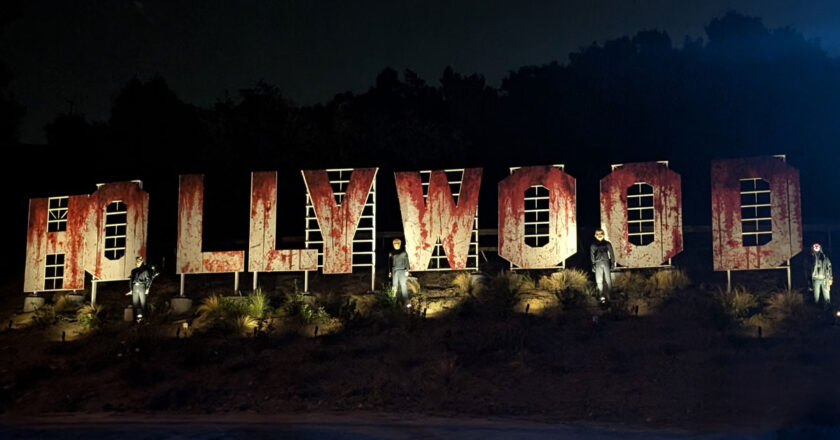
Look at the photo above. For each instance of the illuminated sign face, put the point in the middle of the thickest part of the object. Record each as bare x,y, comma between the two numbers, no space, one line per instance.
100,233
560,222
641,212
436,217
756,213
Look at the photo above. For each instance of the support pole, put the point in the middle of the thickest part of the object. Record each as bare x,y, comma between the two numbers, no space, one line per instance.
236,282
181,292
728,281
93,292
255,280
306,281
788,275
373,278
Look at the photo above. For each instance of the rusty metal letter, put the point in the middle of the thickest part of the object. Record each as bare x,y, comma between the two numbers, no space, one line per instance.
190,258
729,252
424,222
262,255
338,222
562,241
666,218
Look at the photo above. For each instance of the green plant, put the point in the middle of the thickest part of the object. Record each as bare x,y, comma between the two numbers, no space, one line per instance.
226,314
385,297
258,305
296,306
90,317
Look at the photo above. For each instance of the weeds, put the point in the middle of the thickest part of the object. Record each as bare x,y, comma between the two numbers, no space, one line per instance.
467,284
90,317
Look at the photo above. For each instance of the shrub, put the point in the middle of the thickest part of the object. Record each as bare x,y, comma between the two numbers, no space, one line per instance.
90,317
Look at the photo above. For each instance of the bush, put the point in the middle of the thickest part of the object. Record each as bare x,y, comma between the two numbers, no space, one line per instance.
90,317
468,284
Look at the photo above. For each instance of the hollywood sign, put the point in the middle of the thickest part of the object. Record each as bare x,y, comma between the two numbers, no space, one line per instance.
756,222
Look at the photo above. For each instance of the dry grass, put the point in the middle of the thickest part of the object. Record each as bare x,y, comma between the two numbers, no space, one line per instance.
667,281
634,284
787,310
467,284
737,305
565,280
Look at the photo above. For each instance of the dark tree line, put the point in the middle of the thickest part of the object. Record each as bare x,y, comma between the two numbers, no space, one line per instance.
742,90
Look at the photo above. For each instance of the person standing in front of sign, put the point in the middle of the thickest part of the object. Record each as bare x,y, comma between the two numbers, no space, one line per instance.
140,281
398,269
820,275
603,262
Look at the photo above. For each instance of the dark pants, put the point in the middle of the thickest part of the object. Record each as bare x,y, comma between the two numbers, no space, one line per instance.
138,299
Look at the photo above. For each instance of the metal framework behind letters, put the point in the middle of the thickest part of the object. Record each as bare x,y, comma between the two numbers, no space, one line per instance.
540,235
364,241
439,260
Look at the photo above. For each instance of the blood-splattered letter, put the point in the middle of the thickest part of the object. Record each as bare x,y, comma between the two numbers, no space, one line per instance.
562,224
438,217
641,212
190,258
756,213
338,222
262,255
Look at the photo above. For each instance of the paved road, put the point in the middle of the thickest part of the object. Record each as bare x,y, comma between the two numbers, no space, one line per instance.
348,427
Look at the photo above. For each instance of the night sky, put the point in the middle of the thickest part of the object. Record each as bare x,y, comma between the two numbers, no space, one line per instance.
76,55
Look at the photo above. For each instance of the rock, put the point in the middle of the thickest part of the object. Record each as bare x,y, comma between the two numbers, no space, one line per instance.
32,303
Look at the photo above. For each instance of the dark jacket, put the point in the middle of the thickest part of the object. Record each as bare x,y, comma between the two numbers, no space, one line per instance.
398,260
819,267
142,275
602,251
